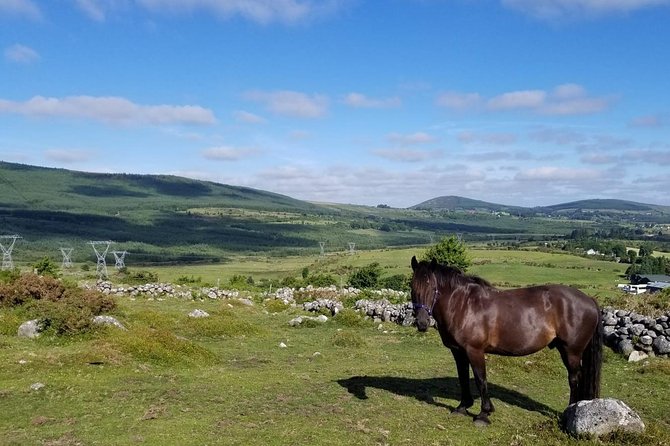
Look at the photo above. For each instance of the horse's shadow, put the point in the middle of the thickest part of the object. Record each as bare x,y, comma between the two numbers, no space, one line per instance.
428,389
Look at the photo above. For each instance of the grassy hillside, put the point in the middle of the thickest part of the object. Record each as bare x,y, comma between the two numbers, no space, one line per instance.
163,219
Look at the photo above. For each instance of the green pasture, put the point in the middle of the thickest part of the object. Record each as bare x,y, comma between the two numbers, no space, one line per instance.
504,268
225,380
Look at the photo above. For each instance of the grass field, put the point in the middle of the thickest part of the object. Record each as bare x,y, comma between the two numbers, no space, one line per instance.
174,380
504,268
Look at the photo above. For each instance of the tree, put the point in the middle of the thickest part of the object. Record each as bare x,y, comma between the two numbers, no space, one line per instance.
366,277
646,249
46,267
449,251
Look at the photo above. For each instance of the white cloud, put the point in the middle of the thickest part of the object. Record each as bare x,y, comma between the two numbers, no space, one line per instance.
411,139
576,9
21,54
648,121
261,11
530,99
468,137
291,103
248,118
358,100
407,155
459,101
227,153
94,9
68,155
558,174
20,8
566,99
109,109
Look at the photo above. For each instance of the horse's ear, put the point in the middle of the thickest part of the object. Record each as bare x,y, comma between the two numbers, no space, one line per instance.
433,263
415,264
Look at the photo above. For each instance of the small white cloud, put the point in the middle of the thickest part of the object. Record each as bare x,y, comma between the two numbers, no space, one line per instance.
111,110
21,54
407,155
566,99
459,101
411,139
554,174
20,8
358,100
68,156
227,153
648,121
578,9
94,9
291,103
487,138
528,99
248,118
260,11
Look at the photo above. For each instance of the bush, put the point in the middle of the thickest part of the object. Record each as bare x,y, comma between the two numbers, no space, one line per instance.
61,307
46,267
366,277
321,280
349,318
140,277
449,251
398,282
275,306
348,339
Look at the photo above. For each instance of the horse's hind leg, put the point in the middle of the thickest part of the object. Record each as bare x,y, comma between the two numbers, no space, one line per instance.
476,358
572,362
463,368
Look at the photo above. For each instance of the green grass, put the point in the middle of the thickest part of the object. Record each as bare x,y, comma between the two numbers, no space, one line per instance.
333,384
171,379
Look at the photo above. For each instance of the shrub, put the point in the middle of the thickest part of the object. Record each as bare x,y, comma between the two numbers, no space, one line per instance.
321,280
140,277
186,280
349,318
348,339
61,307
46,267
449,251
275,305
398,282
366,277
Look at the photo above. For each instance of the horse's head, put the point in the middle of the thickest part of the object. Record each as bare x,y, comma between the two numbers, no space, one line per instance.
424,292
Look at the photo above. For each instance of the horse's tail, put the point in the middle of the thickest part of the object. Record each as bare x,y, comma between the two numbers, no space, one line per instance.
592,360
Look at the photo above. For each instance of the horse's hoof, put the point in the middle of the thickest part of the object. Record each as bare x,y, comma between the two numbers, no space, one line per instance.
460,411
482,421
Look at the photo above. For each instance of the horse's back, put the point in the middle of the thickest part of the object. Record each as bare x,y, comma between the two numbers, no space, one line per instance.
528,319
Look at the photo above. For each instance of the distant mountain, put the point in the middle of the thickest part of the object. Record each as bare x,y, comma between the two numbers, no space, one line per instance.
453,203
603,204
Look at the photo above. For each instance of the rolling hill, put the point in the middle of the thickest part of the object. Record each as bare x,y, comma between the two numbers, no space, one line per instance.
170,219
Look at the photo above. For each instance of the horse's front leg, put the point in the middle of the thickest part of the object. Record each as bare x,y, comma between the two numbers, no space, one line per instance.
463,368
478,362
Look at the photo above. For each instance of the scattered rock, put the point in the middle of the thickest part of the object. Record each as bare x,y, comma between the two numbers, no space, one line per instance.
197,313
636,356
30,329
108,320
282,345
37,386
600,417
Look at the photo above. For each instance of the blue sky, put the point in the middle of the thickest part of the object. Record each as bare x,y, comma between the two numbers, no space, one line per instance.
519,102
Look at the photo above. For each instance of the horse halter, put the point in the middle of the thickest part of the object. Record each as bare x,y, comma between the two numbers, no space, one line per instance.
418,306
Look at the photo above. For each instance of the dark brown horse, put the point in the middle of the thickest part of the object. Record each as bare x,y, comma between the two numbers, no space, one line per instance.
474,318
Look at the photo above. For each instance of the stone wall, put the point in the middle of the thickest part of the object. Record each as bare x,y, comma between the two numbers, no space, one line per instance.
626,332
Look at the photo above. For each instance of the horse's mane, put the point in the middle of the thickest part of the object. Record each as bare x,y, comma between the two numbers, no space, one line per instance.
453,277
